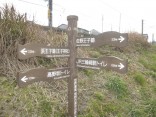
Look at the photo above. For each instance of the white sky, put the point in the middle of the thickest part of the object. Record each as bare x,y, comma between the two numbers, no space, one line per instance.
90,13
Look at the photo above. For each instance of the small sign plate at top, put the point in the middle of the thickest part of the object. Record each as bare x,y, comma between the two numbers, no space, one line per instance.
31,50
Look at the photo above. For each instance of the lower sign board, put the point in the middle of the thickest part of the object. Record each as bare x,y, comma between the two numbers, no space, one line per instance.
42,50
109,62
41,74
110,38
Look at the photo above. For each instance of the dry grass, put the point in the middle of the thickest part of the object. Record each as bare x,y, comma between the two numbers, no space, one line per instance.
14,30
136,42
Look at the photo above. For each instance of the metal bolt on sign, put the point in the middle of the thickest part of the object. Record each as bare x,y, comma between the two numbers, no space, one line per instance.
110,38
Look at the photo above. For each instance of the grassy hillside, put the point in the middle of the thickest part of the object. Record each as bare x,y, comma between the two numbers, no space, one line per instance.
101,93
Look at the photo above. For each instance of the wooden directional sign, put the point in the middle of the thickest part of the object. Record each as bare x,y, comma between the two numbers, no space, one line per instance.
109,62
111,38
41,74
32,50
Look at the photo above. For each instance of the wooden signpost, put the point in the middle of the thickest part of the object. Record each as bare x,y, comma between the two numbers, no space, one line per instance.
41,74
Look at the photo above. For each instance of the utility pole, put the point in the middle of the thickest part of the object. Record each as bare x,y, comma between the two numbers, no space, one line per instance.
0,15
153,38
102,23
119,22
142,27
50,13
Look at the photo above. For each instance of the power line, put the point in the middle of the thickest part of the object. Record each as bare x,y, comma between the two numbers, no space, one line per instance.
106,4
116,10
32,3
38,4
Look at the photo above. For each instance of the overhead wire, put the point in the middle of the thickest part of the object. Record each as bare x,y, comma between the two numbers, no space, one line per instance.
32,3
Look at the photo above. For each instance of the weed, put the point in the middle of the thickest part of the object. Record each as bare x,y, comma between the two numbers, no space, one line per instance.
149,62
98,108
95,54
98,96
118,87
153,67
45,108
154,89
144,62
145,93
152,74
151,108
88,72
139,78
137,111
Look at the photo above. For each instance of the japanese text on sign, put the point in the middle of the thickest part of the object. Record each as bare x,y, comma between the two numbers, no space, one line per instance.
92,62
75,97
85,41
54,51
58,74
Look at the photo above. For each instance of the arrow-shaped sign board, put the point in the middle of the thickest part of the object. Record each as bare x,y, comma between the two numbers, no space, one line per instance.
108,62
110,38
42,50
41,74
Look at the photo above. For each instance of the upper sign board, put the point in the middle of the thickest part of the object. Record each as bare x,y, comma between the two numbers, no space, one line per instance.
110,38
42,50
108,62
41,74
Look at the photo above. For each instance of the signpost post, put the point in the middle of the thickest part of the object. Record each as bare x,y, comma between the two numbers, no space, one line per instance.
72,80
110,38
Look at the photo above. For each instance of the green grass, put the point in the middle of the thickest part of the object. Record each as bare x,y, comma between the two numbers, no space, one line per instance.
150,108
148,61
89,72
154,89
98,96
151,74
146,94
27,102
139,79
45,108
136,111
98,108
117,86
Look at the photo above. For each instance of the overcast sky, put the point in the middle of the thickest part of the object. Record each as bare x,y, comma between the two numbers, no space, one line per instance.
123,15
